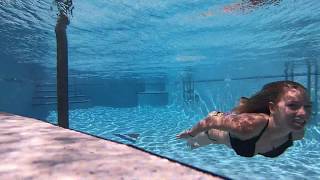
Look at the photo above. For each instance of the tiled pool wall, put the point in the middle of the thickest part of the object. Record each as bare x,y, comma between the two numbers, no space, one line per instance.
17,85
30,90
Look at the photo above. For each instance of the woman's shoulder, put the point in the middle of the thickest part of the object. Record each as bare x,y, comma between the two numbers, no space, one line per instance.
249,124
257,116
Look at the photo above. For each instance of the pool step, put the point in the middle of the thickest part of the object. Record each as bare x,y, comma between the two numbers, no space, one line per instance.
54,102
54,97
45,94
153,98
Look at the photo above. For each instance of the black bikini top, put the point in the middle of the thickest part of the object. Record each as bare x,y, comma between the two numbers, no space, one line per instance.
246,148
280,149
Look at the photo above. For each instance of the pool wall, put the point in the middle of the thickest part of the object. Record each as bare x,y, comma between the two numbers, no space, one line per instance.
30,90
17,86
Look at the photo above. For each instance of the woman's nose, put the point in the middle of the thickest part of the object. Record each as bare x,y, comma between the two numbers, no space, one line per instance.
301,111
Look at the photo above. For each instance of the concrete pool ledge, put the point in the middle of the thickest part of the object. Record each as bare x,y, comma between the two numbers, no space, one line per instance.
32,149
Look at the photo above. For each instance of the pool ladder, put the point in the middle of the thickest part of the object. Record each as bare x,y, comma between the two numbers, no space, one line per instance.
308,71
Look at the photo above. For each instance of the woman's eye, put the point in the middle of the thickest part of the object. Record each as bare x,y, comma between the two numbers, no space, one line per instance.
293,106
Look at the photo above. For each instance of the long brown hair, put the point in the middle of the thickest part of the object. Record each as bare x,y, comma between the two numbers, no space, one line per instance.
271,92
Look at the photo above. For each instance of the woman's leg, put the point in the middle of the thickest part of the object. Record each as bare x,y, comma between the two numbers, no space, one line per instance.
213,136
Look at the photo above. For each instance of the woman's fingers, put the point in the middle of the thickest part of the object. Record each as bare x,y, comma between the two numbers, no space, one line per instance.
183,135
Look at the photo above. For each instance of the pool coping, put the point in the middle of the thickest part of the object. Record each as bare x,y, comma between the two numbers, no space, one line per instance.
33,136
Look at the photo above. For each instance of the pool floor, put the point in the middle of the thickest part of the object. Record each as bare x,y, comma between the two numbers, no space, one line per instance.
32,149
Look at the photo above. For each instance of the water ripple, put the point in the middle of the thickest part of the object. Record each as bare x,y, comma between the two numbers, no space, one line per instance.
157,128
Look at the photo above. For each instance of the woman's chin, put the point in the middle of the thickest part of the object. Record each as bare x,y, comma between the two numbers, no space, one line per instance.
297,126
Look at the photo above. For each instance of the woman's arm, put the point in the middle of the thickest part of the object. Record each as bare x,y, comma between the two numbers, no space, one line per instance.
243,125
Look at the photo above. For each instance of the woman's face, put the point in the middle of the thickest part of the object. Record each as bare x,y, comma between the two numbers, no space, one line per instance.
293,109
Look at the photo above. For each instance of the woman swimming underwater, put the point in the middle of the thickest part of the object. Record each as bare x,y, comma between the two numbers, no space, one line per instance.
266,123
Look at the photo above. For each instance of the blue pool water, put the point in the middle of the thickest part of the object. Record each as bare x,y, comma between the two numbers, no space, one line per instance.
155,68
158,126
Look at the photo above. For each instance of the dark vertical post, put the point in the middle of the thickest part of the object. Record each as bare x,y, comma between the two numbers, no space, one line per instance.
292,71
62,71
286,71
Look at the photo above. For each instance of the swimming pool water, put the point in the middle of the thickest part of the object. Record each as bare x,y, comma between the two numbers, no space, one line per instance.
134,42
157,128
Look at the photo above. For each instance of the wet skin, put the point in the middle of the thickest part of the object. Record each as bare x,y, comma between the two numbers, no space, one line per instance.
293,110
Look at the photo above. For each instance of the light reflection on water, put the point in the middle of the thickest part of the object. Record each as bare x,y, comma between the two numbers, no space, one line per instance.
148,38
157,128
142,39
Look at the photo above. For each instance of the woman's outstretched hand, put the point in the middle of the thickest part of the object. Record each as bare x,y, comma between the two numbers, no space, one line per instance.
184,135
